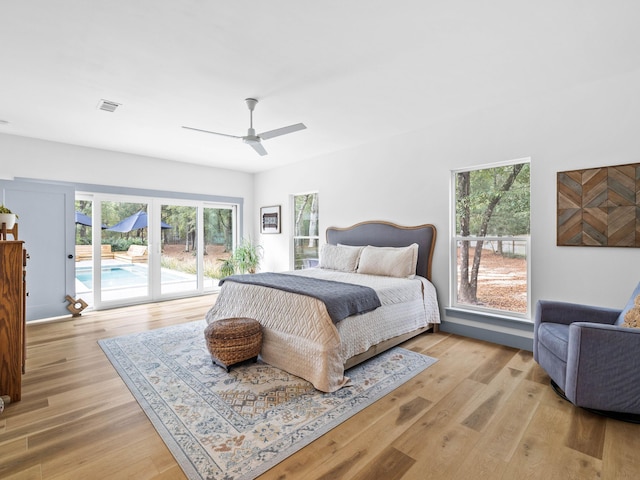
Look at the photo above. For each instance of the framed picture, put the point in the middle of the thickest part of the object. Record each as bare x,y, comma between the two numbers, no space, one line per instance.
270,219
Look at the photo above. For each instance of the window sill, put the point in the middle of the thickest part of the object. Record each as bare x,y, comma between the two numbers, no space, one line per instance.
485,316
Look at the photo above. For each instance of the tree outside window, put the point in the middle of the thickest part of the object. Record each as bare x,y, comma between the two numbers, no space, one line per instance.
491,238
305,231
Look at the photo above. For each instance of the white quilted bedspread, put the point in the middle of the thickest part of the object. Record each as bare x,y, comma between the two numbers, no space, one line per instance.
300,337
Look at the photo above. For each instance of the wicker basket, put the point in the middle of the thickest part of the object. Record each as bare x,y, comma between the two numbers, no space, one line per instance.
233,340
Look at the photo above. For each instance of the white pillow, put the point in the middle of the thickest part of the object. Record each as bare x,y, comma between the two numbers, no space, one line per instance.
340,257
398,262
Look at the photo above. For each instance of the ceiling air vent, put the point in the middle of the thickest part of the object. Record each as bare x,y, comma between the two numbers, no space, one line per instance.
108,106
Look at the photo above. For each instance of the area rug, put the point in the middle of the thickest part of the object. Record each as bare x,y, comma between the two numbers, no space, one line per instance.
237,425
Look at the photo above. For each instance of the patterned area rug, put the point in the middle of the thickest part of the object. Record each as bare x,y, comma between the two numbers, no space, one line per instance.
237,425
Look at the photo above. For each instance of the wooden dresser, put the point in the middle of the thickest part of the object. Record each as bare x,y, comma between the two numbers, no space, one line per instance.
12,317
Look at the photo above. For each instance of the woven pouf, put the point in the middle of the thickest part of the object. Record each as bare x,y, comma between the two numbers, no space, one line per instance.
233,340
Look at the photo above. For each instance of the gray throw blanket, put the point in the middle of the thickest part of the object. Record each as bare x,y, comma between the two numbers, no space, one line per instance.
341,299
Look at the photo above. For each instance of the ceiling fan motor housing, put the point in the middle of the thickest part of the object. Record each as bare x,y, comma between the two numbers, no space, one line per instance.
251,103
251,136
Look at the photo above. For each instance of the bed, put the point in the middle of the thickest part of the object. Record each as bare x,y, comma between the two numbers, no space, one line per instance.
300,336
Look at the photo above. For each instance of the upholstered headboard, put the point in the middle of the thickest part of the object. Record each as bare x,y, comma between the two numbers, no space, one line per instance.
386,234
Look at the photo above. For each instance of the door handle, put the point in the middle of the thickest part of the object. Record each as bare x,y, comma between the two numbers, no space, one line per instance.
69,256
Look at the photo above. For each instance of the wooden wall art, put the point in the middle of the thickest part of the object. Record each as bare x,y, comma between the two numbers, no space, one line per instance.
599,207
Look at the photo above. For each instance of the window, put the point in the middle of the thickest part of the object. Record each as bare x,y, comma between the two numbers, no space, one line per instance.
305,231
490,240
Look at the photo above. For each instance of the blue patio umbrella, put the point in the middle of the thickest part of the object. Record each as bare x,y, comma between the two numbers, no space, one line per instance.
82,219
134,222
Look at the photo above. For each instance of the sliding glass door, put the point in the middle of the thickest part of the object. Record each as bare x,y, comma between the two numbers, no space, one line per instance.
149,249
219,235
179,249
195,241
124,252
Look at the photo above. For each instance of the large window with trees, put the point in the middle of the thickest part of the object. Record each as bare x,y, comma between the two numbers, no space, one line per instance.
490,240
306,238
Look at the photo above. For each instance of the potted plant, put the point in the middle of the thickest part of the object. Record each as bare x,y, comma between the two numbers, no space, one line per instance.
244,259
228,267
7,217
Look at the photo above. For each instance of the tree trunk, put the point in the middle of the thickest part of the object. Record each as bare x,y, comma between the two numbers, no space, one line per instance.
298,230
466,292
313,219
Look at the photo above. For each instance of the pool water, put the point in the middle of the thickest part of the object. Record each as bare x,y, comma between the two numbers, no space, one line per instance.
118,276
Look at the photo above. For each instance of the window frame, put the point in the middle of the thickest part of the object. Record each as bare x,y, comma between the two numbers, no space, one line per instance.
294,237
455,238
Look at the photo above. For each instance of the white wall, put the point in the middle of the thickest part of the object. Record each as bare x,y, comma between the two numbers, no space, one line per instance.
406,180
39,159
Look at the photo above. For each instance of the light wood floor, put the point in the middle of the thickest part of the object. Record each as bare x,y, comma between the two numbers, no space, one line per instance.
481,412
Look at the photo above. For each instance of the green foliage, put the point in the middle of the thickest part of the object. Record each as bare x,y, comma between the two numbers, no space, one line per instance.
227,267
244,259
306,215
507,209
212,272
305,226
177,265
218,227
190,268
123,244
4,209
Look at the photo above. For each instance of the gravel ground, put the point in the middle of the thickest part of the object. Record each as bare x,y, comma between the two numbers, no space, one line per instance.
502,282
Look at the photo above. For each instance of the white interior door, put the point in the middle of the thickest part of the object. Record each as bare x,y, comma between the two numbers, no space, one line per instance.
46,224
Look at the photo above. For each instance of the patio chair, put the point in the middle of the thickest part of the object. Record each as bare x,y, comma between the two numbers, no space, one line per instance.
135,254
592,359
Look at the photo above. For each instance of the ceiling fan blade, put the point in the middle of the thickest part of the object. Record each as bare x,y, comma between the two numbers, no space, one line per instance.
208,131
282,131
257,146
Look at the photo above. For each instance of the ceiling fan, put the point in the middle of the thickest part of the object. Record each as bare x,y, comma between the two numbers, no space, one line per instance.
251,138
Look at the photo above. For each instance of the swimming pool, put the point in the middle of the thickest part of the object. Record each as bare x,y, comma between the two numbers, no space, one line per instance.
119,276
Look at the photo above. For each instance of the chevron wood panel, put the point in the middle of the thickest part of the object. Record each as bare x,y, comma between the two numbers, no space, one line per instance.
599,207
595,226
594,188
570,226
621,185
569,190
622,227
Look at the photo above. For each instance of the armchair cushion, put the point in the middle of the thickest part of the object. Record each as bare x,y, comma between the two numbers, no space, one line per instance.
551,351
555,338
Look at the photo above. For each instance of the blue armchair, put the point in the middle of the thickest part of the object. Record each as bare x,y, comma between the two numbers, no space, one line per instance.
590,356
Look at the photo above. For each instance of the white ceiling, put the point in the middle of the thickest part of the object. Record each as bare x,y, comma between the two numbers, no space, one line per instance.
352,70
